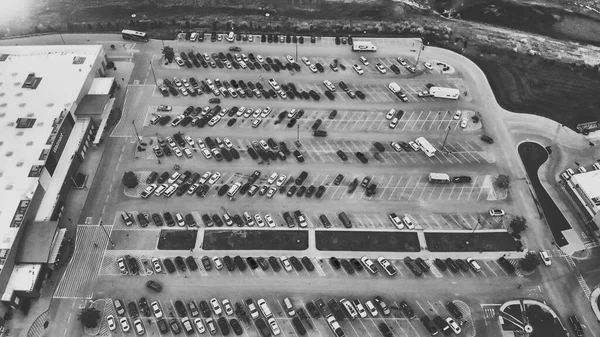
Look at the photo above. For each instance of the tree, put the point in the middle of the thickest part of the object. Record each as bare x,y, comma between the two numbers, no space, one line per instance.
530,262
168,53
130,180
518,224
89,317
502,181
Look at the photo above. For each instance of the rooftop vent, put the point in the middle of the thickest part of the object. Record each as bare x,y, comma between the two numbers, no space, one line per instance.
30,114
20,133
50,105
19,164
9,153
29,143
19,94
9,187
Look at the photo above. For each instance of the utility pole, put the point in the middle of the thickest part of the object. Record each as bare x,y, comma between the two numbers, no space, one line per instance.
136,133
298,136
296,50
447,133
420,49
61,37
112,244
153,74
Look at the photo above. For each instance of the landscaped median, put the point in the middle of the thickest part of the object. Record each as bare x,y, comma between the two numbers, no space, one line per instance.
255,240
468,241
367,241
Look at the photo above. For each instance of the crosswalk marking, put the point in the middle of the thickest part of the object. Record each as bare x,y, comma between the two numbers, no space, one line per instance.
434,269
318,268
580,279
83,268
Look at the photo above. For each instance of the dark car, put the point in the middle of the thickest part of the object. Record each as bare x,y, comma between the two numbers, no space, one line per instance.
157,219
335,263
506,265
461,180
320,191
262,327
352,186
175,327
217,219
440,265
296,263
132,308
412,266
223,325
134,268
356,264
431,328
239,262
205,309
576,326
359,94
236,327
143,304
292,190
336,309
452,265
299,326
379,146
162,326
301,191
361,156
441,324
274,264
487,139
252,262
264,265
385,330
206,263
229,263
407,310
312,309
347,266
180,308
310,191
191,262
180,263
463,265
422,264
342,155
169,265
308,263
142,219
151,177
454,311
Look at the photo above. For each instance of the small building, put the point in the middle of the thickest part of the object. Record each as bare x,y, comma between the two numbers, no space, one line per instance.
441,92
584,190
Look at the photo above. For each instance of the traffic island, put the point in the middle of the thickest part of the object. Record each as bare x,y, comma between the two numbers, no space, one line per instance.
467,241
177,239
530,316
255,240
364,241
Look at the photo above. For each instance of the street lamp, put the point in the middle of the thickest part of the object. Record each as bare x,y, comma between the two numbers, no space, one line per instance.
420,49
136,133
112,244
269,16
447,133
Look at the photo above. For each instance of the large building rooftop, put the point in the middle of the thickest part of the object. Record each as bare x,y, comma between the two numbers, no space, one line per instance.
589,183
38,86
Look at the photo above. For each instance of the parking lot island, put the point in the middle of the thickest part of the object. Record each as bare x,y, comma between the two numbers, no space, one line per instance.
461,241
255,240
367,241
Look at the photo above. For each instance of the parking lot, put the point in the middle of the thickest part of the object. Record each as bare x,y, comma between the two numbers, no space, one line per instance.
361,327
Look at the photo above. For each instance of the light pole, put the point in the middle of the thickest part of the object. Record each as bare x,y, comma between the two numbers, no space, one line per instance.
61,37
298,135
269,16
473,232
112,244
447,133
153,74
420,49
136,133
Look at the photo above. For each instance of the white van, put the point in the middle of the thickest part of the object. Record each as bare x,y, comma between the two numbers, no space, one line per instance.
264,308
349,308
474,265
169,192
287,304
193,37
570,172
581,169
230,37
390,114
596,166
234,189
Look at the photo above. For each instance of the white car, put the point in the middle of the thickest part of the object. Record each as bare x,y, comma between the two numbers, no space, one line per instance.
206,153
463,122
391,114
259,220
213,121
189,140
256,113
414,146
271,192
228,307
260,59
273,84
274,326
408,222
269,220
156,265
159,191
248,112
280,180
205,177
199,325
213,179
179,219
148,191
187,152
329,85
179,61
312,68
290,59
227,143
363,60
359,70
121,265
266,112
171,142
457,115
177,152
305,60
164,108
200,143
402,62
292,113
112,325
545,258
394,123
256,122
216,306
387,266
359,308
243,64
272,178
286,264
381,68
428,65
497,212
185,83
368,263
371,308
184,91
124,324
217,262
156,310
396,146
396,220
139,327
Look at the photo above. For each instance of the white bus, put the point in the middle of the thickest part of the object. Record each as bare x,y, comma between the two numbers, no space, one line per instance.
426,146
397,90
439,178
363,46
134,35
448,93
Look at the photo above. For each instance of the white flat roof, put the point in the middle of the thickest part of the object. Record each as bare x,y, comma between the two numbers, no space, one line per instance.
23,278
588,182
63,71
101,86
